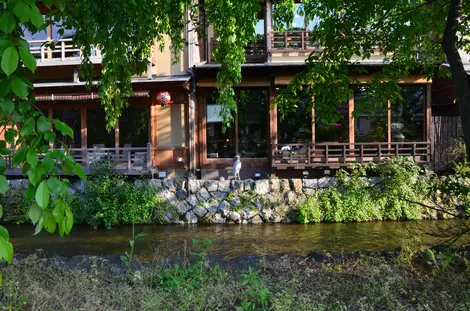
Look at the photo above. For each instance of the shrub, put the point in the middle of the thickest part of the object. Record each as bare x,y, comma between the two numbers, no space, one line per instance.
354,198
15,205
109,199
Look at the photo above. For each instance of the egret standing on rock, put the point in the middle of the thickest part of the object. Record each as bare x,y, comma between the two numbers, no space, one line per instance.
237,166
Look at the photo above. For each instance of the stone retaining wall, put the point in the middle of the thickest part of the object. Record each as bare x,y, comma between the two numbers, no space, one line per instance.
234,201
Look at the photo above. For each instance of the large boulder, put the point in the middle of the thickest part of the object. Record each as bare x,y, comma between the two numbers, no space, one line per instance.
255,220
225,208
323,182
292,197
183,207
262,186
275,184
195,185
235,217
224,186
285,185
203,195
192,200
169,185
181,194
249,184
237,186
219,195
310,184
296,185
211,185
170,197
190,218
157,184
218,219
200,211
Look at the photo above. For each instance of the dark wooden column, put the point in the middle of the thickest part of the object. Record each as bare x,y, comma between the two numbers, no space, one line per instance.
153,128
83,133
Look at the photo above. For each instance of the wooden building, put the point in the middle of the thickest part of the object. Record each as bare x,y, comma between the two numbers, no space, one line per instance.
187,133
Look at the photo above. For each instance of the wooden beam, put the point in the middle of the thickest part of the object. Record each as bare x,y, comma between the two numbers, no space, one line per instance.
246,82
427,112
352,129
153,128
389,124
83,132
413,79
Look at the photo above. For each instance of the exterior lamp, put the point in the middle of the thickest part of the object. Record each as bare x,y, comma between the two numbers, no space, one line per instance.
163,98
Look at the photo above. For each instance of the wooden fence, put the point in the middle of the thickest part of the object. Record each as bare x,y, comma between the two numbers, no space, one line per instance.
335,155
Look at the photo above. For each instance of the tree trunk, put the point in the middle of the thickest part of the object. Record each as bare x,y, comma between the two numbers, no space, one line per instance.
459,75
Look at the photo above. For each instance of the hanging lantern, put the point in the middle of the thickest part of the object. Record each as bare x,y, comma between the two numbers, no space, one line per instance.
163,98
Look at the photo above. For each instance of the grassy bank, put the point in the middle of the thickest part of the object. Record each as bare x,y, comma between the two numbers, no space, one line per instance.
282,283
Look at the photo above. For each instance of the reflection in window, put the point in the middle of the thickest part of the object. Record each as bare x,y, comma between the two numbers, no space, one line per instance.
296,127
407,114
369,127
252,123
97,134
134,127
251,141
334,132
72,118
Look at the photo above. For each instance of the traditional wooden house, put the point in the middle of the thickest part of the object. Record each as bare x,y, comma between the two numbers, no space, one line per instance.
187,132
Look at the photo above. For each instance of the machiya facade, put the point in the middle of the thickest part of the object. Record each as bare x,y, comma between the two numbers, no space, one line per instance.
187,134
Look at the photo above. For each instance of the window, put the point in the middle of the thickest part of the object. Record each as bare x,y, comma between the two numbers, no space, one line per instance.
370,126
251,139
134,127
72,118
98,135
334,132
296,127
408,114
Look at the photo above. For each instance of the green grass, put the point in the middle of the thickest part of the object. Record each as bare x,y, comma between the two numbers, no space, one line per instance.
285,283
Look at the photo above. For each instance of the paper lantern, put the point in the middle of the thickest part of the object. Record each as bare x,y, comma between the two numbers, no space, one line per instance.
163,98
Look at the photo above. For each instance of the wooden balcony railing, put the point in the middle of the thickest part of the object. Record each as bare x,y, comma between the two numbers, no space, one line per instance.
255,51
292,40
302,156
61,50
132,160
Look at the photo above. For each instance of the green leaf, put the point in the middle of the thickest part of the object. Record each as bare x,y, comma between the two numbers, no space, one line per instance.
5,88
68,168
39,226
32,157
6,250
36,17
1,211
59,211
28,127
35,213
21,10
28,59
63,128
31,192
4,43
4,233
47,163
10,60
49,222
19,87
80,171
54,184
50,136
7,106
43,124
48,3
7,22
18,157
35,175
3,165
68,220
3,184
43,195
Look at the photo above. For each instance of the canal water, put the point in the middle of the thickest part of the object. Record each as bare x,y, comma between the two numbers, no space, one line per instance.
228,241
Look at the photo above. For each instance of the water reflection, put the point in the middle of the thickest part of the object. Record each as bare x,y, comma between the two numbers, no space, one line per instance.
228,240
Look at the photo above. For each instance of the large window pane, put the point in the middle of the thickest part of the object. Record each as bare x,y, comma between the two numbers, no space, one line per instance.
334,132
98,136
134,127
72,118
407,114
220,144
369,126
296,127
252,123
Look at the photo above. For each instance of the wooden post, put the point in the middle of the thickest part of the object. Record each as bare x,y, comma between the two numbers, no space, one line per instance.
352,131
84,134
389,126
153,128
273,134
268,27
236,131
313,126
427,112
116,141
49,38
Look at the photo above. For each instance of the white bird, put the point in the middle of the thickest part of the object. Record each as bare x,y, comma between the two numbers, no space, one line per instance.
237,166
